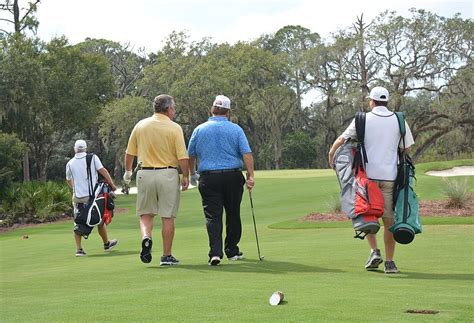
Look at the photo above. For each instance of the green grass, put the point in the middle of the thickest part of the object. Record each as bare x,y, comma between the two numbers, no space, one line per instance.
292,224
320,270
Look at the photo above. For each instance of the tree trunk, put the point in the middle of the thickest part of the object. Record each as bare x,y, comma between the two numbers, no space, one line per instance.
118,167
429,142
277,146
26,167
42,169
16,16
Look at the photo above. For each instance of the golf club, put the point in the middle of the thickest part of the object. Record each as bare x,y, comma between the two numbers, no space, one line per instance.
139,166
255,226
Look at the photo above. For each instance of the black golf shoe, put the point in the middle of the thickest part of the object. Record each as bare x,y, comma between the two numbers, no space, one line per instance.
390,267
169,261
110,244
80,253
145,254
214,261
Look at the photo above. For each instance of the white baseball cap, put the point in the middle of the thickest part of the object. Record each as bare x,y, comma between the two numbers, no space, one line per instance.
222,101
379,93
80,145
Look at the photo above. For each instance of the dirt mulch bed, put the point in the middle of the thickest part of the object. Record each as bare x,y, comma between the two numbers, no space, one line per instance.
427,208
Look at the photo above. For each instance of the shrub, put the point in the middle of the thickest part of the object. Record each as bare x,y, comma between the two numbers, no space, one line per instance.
457,192
11,157
334,204
35,202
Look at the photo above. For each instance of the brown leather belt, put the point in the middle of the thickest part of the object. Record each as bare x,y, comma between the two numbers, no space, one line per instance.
155,168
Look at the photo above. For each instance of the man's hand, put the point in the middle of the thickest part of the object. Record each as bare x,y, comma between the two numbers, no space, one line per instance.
127,177
184,183
250,182
331,159
194,179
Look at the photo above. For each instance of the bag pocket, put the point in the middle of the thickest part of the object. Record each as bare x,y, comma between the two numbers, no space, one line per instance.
94,216
368,197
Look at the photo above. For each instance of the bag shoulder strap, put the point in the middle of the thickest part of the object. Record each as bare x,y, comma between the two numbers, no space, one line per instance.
89,173
401,125
360,126
401,122
361,159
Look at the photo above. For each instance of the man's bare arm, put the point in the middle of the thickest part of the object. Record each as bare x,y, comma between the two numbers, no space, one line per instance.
338,143
104,172
249,165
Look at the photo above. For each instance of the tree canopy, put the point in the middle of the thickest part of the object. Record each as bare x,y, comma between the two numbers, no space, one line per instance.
292,92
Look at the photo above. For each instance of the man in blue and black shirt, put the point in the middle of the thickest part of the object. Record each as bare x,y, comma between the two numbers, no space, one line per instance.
220,146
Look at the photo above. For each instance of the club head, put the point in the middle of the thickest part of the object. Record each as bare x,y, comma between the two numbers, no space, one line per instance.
261,258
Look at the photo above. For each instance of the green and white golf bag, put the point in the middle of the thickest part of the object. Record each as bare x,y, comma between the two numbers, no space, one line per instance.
405,200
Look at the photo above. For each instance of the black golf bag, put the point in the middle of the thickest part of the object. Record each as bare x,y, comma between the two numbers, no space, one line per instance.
91,213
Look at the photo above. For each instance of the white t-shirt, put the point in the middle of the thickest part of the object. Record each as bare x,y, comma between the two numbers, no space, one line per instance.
382,138
76,169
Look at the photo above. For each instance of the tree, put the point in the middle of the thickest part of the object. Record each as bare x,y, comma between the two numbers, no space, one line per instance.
329,73
20,83
126,66
181,69
298,150
294,42
51,89
416,57
11,153
127,69
262,103
422,53
22,18
450,112
116,122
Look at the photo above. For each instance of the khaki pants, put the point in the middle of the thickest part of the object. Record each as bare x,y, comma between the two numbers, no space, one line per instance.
158,192
387,191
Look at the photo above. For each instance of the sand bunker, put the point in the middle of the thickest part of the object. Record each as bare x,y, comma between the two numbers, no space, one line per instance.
455,171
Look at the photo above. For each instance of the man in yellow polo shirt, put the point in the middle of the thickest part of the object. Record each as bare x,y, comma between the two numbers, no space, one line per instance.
159,145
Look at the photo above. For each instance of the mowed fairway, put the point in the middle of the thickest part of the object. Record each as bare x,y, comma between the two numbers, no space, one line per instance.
320,270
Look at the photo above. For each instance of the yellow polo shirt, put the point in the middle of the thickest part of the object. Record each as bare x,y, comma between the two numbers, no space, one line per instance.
157,142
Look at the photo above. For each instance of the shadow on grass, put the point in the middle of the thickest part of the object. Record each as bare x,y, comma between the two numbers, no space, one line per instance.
432,276
266,267
115,253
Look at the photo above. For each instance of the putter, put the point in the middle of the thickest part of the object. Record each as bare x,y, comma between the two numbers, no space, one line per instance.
255,226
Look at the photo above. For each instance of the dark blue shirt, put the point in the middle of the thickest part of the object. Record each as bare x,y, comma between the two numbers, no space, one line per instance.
218,144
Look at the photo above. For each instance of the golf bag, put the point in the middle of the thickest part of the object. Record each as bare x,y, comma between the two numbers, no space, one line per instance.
361,198
405,200
100,203
109,204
